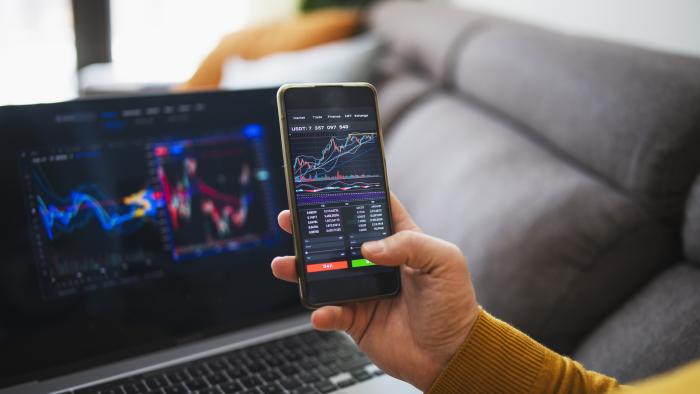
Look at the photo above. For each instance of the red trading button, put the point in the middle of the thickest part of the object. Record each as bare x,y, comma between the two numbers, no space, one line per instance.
331,266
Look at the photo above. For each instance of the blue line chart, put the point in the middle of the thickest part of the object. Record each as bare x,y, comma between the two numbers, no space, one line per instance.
84,204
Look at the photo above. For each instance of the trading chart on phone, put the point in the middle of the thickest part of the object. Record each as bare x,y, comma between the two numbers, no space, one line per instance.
339,187
336,168
106,215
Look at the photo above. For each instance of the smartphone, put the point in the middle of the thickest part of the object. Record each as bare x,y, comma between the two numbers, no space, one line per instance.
337,189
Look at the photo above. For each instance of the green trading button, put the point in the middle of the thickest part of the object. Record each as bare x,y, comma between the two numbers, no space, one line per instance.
361,263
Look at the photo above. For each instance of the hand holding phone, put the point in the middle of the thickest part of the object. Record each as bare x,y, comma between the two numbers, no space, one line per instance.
414,335
338,191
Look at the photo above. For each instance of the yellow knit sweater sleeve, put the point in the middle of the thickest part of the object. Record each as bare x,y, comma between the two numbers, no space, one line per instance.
497,358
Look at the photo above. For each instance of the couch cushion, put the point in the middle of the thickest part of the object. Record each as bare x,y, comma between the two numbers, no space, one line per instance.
656,330
539,235
628,114
691,230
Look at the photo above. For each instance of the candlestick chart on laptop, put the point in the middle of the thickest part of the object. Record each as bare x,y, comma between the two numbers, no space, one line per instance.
211,188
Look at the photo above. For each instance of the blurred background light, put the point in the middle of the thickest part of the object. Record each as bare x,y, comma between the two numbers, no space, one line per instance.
37,51
155,44
163,41
152,42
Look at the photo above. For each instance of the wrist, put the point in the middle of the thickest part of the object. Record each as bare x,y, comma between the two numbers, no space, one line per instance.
494,356
429,373
439,360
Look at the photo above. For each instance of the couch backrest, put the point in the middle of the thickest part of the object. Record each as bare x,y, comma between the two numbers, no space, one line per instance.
626,114
425,41
630,115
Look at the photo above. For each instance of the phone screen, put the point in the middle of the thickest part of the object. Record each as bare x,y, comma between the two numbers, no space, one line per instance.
338,183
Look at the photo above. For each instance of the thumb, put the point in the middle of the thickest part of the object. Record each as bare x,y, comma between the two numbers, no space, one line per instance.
414,249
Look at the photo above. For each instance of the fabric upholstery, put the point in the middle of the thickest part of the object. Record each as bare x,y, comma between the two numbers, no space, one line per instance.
397,96
422,34
691,230
629,115
540,236
657,330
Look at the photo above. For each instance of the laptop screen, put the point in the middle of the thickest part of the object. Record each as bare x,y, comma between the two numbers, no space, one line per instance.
134,224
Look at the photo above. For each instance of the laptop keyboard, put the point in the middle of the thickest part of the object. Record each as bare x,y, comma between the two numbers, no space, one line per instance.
307,363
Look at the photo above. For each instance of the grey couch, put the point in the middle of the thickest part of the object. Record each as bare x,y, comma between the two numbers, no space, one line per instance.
562,166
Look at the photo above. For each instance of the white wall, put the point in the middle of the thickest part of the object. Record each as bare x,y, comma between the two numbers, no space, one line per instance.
670,25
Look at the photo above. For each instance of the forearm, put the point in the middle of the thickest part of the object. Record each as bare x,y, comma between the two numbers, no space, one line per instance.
498,358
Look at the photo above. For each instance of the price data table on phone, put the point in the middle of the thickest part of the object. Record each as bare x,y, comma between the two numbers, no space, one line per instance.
334,231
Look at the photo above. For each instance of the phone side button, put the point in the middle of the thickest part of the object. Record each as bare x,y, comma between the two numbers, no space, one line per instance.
329,266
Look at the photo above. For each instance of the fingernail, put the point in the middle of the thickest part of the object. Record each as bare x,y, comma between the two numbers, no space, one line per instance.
374,247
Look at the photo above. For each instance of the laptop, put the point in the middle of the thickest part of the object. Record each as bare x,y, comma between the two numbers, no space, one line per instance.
137,238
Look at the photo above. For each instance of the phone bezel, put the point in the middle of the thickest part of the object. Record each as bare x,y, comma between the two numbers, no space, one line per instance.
386,284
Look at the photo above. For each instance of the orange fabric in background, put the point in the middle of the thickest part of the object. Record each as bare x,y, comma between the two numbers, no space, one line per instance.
254,42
